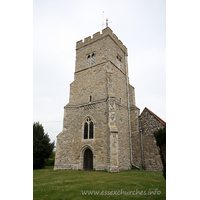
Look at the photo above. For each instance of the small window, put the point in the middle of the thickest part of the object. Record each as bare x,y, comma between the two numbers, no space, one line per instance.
88,60
93,59
88,129
90,98
120,64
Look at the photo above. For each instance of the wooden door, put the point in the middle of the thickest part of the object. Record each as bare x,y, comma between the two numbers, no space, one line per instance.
88,160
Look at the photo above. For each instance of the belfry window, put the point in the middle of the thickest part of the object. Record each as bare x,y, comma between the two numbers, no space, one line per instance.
88,129
88,60
119,63
93,59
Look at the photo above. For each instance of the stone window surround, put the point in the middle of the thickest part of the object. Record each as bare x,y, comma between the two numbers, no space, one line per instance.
83,124
119,61
90,59
90,99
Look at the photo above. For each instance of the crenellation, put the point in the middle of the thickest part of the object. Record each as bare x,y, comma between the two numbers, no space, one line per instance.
114,36
125,49
79,44
87,39
120,42
107,31
96,35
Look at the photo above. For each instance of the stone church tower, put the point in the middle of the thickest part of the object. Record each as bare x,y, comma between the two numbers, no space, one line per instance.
101,120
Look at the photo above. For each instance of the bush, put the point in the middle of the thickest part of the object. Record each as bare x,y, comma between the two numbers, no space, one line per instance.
160,136
49,161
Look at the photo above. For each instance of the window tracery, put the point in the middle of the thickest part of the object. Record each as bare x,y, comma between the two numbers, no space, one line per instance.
92,58
88,129
88,60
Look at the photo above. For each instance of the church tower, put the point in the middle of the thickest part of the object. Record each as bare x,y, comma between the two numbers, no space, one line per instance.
100,124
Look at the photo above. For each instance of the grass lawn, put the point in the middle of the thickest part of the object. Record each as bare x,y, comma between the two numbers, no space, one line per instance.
70,184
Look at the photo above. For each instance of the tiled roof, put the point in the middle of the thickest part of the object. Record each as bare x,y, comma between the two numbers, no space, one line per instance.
163,122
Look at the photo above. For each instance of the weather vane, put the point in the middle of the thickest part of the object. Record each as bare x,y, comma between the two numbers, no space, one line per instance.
103,21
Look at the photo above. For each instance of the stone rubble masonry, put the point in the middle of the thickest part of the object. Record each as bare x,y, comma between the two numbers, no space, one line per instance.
149,122
99,91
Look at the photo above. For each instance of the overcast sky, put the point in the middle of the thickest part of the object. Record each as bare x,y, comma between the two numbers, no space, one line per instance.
58,25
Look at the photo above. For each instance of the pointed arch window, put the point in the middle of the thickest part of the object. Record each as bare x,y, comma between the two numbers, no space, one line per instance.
88,129
91,130
88,60
93,59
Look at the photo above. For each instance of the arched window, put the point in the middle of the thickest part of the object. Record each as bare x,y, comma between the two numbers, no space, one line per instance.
88,60
88,129
91,130
93,59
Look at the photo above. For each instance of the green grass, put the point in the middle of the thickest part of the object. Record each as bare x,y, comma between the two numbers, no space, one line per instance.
69,184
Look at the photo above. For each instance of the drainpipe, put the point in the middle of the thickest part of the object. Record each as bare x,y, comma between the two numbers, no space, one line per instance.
142,149
129,118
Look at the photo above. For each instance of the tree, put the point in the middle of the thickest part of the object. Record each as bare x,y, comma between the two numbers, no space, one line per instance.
160,136
42,148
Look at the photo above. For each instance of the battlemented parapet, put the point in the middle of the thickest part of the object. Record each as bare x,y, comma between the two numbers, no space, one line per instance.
98,36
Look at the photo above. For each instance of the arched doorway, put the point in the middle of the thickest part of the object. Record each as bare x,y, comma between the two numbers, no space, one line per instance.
88,160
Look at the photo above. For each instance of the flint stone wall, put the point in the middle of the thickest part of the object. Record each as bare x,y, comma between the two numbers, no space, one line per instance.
149,123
